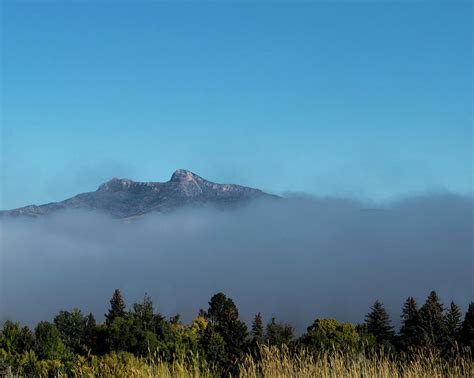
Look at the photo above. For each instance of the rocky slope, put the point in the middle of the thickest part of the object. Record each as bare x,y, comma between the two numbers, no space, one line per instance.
123,198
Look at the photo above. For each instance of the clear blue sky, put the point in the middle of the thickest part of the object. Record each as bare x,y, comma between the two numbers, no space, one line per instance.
366,99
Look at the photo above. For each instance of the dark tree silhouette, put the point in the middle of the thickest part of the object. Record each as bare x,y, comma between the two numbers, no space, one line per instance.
257,329
117,307
453,321
223,318
467,329
432,325
379,324
410,329
278,334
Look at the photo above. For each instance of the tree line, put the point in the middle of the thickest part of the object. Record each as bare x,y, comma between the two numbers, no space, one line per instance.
221,339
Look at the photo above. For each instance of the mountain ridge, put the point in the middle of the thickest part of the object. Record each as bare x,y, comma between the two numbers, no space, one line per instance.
123,198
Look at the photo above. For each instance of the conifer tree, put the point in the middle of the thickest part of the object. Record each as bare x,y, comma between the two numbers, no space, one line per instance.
223,318
117,307
409,331
277,333
467,329
271,332
257,328
89,332
432,325
453,323
379,324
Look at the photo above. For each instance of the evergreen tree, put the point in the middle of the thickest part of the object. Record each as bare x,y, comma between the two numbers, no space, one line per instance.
467,329
214,347
223,318
432,325
278,334
409,331
90,332
117,307
378,324
453,323
257,329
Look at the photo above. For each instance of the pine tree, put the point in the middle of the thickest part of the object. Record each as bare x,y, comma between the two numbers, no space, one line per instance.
223,318
257,328
467,329
432,326
378,323
453,323
117,307
277,333
409,331
271,332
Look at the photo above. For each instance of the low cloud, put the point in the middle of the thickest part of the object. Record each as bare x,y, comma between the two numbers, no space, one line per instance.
296,259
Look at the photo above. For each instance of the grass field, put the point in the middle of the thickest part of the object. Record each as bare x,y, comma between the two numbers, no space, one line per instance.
274,362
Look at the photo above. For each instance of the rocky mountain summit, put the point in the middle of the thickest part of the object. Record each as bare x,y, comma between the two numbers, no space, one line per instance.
123,198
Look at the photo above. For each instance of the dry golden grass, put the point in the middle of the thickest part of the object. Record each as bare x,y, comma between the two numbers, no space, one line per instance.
277,362
274,362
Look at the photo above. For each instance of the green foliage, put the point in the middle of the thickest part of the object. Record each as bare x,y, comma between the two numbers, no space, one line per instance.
72,327
224,319
329,334
367,342
217,341
10,337
48,342
277,333
214,347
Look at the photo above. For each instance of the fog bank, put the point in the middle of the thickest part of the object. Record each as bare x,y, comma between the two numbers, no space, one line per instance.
296,259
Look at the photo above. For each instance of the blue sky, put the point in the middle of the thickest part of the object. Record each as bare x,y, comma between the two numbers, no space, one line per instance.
365,99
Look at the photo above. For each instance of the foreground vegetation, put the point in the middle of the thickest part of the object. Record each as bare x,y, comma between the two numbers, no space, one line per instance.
433,341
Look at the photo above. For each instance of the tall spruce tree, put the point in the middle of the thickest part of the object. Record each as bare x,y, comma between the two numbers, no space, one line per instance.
117,307
257,329
453,321
410,329
379,324
467,329
432,325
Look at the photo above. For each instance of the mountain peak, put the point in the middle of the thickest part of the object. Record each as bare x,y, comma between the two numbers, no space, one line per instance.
123,198
183,175
115,184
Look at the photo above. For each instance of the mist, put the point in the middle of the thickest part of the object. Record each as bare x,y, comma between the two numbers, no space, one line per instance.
297,259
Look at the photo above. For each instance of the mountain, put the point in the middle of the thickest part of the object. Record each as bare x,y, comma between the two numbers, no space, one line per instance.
123,198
